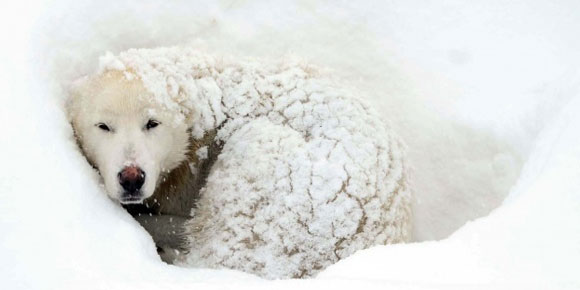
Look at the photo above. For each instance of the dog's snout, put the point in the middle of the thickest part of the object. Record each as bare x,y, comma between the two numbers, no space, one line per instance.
131,179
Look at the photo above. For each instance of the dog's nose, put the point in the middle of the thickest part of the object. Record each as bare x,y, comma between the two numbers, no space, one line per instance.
131,179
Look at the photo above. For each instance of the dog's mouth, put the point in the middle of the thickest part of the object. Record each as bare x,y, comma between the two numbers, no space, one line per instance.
131,198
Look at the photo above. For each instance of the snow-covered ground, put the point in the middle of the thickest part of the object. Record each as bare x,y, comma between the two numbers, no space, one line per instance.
486,95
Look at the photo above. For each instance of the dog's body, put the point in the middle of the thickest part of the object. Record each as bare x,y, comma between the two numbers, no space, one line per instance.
270,170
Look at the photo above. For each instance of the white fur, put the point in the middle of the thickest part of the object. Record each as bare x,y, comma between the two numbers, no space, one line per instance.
308,174
125,106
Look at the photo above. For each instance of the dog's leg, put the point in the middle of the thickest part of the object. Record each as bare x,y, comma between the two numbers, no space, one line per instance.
167,232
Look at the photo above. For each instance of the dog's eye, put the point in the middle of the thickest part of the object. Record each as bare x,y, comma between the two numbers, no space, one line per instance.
151,124
103,127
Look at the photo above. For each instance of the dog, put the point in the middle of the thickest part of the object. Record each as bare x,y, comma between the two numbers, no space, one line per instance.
268,167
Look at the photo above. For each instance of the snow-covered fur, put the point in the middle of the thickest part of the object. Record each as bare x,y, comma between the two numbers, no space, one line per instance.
306,173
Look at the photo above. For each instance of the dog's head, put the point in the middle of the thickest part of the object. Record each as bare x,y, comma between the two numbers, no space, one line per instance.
132,140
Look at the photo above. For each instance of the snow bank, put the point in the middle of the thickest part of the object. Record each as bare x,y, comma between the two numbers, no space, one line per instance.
468,83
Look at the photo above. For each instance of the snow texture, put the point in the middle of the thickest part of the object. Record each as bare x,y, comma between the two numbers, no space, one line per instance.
307,176
477,89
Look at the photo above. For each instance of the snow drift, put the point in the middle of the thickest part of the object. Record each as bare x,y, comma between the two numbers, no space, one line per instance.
476,89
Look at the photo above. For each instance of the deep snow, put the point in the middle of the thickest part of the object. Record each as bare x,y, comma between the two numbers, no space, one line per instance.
469,86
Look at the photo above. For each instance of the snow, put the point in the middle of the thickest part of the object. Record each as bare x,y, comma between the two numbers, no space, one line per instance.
477,91
532,238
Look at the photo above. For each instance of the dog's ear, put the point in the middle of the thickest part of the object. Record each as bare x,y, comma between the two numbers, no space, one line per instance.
75,96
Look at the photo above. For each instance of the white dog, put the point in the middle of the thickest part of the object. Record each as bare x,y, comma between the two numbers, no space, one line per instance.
263,167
